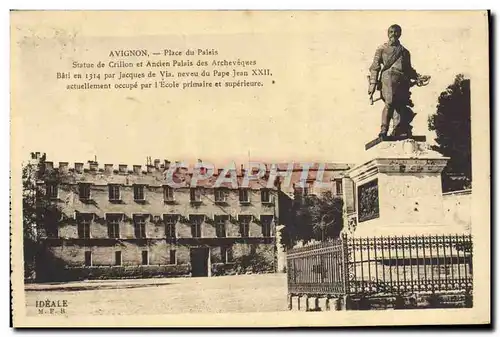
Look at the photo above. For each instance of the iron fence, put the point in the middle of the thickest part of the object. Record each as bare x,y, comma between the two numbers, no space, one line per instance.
381,265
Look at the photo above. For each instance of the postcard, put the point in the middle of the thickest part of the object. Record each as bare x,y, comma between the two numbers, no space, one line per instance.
250,168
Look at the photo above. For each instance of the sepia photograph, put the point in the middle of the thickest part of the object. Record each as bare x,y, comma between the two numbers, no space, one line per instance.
249,168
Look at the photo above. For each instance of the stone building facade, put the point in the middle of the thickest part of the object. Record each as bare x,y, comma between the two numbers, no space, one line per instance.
107,222
166,219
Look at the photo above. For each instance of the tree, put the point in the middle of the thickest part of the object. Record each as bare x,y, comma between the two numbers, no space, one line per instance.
31,215
453,130
313,218
327,216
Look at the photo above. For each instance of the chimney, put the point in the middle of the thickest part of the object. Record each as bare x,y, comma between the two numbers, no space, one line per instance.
79,167
157,163
93,165
122,168
230,171
63,167
137,169
108,168
201,169
49,166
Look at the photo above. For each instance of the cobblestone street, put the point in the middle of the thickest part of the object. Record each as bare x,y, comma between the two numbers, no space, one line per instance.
231,294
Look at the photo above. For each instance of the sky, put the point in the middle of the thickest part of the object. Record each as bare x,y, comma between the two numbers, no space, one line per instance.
316,110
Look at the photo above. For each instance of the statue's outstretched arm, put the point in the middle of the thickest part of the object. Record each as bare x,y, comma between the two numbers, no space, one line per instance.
416,78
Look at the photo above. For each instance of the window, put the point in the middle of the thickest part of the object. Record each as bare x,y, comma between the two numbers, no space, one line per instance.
113,226
173,259
196,221
88,258
244,196
51,224
84,221
266,221
226,254
145,258
140,226
114,192
84,191
51,191
265,195
244,221
220,195
139,192
311,188
118,258
170,222
195,195
168,193
52,231
305,190
338,186
220,223
302,188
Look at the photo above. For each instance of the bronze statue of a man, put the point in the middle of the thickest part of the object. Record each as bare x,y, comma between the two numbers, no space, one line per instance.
392,73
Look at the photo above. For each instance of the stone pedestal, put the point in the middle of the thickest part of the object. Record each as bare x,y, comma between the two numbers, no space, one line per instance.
397,190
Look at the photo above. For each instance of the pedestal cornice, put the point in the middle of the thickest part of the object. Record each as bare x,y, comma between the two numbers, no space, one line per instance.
399,156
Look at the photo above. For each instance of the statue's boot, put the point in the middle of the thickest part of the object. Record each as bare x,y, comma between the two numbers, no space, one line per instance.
402,131
383,131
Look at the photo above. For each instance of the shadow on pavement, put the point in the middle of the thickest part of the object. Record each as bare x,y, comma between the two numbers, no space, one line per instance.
95,287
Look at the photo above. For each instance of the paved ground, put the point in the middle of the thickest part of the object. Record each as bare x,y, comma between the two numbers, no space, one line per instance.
242,293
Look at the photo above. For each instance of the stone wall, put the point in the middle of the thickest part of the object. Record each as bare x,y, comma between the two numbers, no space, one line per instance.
424,300
64,261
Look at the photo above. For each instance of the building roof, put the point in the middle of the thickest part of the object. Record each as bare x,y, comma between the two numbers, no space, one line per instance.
168,174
